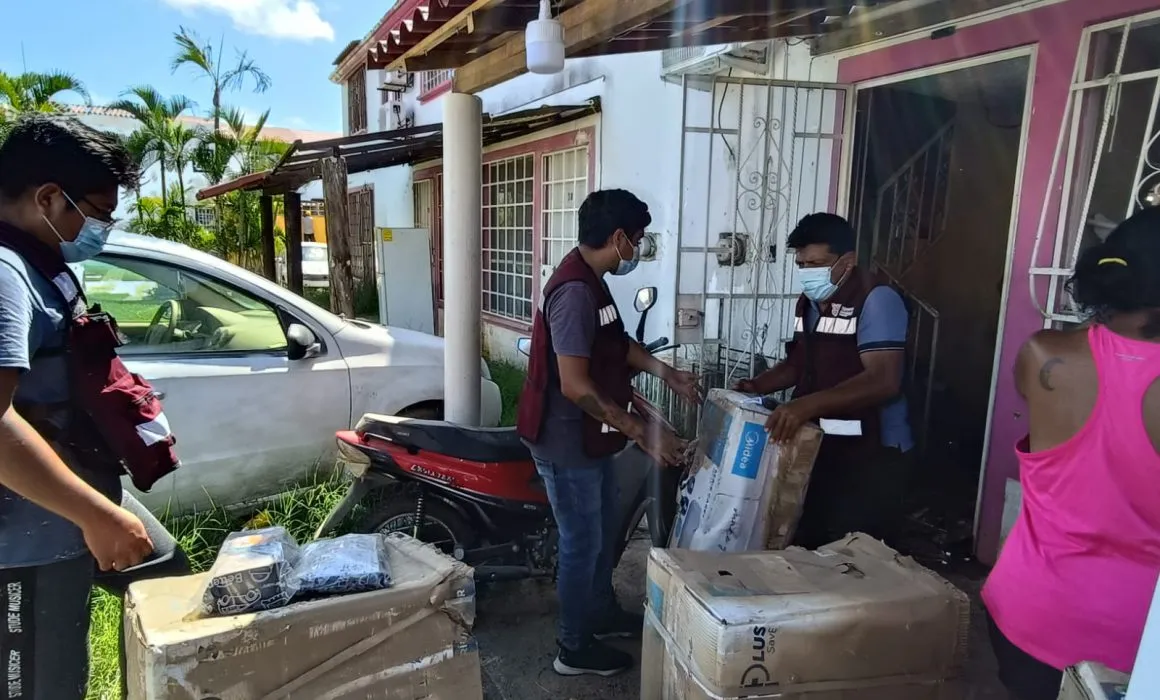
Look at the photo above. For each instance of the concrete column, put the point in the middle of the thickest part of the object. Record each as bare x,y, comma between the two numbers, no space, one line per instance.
462,185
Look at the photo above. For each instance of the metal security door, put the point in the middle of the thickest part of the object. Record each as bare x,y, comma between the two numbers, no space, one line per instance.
756,156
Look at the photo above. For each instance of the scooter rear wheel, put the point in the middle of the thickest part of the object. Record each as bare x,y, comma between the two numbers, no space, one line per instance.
441,526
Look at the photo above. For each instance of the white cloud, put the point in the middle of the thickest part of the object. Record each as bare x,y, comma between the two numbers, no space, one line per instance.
284,19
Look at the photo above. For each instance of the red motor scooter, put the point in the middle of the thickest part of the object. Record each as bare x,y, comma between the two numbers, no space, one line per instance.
475,492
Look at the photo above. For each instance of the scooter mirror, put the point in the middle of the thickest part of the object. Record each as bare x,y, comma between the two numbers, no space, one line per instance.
646,298
524,346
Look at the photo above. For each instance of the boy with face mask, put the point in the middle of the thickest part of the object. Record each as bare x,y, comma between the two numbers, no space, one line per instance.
61,519
573,414
845,361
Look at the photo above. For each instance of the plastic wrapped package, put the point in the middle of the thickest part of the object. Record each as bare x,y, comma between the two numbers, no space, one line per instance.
253,571
347,564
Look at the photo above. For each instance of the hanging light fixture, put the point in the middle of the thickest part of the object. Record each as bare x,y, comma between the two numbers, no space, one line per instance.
544,42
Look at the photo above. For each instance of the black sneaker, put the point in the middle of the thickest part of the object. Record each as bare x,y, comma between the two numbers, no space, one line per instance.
620,624
595,659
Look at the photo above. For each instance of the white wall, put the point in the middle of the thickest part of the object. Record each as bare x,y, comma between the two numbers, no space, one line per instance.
638,147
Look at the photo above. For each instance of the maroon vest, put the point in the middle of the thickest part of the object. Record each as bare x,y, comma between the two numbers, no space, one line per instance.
115,419
827,354
608,365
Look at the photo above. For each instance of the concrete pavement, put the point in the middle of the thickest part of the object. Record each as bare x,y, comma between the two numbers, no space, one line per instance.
517,642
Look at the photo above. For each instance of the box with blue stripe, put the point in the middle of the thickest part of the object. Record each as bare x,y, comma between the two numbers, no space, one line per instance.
742,493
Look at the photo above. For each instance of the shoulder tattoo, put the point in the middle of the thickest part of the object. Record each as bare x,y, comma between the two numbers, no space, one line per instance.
1045,372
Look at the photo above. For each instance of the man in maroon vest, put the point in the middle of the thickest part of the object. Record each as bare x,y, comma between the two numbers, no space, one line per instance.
846,362
574,416
65,523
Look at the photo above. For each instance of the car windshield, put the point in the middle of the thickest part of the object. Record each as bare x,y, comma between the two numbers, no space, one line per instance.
313,254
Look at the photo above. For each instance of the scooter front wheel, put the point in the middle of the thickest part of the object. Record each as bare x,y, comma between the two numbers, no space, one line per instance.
441,526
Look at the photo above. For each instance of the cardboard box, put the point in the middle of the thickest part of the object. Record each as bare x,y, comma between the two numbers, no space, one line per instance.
1091,681
742,492
851,621
406,642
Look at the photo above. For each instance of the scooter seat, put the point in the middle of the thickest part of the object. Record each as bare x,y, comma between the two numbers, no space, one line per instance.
471,444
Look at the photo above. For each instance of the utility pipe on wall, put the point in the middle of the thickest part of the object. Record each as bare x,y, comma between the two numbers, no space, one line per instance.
462,190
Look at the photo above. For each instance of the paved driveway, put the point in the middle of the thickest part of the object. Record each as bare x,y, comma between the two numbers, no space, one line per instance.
517,641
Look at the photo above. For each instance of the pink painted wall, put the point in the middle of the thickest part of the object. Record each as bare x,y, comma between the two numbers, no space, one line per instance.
1056,29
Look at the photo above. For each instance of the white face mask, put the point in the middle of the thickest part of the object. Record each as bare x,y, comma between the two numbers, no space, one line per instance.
90,240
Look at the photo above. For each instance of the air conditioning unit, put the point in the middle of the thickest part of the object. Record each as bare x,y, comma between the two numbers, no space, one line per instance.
752,57
396,81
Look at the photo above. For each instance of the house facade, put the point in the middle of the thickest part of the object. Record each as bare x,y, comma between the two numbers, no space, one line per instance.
976,154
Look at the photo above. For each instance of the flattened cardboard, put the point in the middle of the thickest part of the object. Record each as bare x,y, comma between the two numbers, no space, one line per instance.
1092,681
407,642
743,493
851,620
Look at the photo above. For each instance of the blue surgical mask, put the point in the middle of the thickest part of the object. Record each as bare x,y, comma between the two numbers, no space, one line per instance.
90,241
816,283
627,266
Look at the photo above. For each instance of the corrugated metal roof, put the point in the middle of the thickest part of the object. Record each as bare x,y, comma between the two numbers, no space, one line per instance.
384,149
702,23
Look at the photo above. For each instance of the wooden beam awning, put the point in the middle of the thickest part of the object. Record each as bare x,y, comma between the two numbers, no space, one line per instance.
485,37
383,149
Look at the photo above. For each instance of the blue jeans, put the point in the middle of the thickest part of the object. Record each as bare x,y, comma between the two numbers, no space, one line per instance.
585,500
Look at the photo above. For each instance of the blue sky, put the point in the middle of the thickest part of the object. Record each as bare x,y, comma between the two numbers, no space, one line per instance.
113,44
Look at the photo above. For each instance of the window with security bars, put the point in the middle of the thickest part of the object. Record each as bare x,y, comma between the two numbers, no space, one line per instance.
205,217
1110,142
356,102
430,80
565,183
360,215
508,232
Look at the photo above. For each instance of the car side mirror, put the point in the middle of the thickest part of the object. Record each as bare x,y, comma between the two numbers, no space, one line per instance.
524,346
301,343
646,298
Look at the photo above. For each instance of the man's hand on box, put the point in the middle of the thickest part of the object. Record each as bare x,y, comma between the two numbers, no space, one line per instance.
746,386
783,424
686,385
663,445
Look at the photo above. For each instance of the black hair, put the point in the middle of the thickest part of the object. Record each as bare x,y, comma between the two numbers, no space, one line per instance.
829,229
605,211
42,148
1121,274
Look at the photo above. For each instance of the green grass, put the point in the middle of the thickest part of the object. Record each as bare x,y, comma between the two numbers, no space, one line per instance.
510,379
299,511
130,311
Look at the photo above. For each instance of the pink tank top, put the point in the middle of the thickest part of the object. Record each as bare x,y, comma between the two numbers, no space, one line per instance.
1076,575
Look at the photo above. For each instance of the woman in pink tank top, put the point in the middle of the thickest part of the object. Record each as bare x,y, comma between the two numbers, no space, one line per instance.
1076,575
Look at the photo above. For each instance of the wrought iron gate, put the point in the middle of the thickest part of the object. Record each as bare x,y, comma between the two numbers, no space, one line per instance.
756,156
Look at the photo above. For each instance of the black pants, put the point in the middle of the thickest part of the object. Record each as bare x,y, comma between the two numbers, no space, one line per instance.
1024,676
854,487
44,640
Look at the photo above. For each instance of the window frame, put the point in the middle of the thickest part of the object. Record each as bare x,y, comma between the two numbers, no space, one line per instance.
434,83
538,148
357,116
1081,141
284,316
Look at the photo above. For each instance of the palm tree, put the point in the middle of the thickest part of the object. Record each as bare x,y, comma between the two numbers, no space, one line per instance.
140,145
180,142
209,61
157,115
33,92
